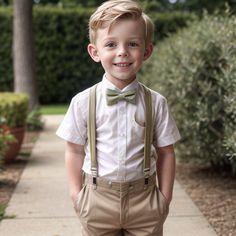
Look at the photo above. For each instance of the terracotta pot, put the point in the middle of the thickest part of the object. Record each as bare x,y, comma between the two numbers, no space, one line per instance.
14,147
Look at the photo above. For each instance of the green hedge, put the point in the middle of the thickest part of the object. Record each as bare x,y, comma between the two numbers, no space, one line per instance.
6,69
196,71
63,64
168,23
14,108
61,37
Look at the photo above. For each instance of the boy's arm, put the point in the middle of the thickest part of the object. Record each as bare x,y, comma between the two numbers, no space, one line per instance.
166,170
74,159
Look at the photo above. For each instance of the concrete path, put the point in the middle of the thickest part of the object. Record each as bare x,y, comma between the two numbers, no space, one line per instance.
40,205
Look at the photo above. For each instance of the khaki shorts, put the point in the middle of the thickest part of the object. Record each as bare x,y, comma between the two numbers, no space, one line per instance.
127,208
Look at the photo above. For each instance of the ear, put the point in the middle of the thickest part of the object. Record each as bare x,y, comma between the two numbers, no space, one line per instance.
148,52
93,52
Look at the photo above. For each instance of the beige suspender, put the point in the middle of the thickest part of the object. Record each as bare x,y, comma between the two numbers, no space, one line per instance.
91,124
148,133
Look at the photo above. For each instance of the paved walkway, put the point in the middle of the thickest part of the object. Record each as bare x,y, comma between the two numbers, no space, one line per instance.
41,205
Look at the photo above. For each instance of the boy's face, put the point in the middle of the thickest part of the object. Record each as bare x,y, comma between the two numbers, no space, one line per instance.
121,50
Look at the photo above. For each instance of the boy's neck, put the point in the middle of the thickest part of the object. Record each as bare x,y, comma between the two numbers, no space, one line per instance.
121,84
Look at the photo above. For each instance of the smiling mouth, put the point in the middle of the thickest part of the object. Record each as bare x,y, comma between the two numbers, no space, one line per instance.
122,64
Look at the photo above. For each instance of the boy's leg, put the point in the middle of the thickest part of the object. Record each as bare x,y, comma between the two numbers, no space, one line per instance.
147,213
98,211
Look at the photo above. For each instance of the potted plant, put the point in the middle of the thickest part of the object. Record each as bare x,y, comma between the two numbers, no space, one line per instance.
6,138
14,108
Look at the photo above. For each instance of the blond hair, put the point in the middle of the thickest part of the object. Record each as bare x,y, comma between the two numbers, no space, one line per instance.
113,10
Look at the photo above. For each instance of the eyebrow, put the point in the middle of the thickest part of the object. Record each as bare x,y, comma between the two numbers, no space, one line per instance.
109,38
114,38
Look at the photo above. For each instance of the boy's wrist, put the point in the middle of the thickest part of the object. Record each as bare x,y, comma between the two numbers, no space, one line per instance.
74,195
167,196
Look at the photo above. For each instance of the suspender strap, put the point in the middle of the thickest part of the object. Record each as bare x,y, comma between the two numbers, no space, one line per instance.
91,123
148,133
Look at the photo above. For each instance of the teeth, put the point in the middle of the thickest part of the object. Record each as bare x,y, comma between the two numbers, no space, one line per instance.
122,64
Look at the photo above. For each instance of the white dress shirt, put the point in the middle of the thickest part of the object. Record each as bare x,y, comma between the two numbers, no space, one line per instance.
119,131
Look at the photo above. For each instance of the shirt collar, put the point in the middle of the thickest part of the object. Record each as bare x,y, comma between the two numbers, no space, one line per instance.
108,84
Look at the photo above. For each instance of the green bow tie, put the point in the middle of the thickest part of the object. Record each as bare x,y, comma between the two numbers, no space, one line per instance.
114,96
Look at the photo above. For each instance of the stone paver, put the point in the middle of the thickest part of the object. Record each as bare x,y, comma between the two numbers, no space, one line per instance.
40,205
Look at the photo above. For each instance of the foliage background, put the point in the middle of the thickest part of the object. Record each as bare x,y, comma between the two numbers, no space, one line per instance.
61,36
196,70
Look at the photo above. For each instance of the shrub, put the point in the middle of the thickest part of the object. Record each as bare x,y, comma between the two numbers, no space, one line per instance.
14,108
6,138
34,120
170,22
196,70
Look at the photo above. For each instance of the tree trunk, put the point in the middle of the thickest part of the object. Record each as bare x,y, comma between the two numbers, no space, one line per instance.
23,51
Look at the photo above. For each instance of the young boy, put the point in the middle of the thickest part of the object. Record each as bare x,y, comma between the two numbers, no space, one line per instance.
114,131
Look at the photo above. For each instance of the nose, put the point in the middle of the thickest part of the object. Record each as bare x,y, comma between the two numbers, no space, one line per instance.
122,51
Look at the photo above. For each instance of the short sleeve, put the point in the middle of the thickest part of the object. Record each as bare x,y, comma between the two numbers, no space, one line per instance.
74,127
165,129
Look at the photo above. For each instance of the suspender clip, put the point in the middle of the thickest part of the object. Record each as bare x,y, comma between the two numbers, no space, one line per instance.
146,174
94,183
94,175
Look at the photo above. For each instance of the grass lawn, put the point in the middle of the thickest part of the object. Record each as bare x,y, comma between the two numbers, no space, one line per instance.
2,213
53,109
2,209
